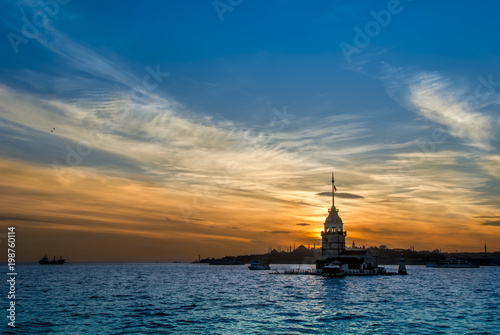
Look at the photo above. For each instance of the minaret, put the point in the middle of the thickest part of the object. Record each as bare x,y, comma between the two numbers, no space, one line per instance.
333,236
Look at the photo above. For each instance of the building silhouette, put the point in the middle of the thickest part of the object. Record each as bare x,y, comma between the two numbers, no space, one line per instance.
355,261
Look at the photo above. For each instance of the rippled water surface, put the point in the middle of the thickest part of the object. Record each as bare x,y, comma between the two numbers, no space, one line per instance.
203,299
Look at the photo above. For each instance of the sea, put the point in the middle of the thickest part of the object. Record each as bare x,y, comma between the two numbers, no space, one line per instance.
162,298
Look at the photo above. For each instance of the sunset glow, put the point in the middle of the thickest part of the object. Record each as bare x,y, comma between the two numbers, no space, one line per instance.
168,133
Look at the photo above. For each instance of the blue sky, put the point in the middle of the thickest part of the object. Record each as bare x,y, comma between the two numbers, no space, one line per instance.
228,107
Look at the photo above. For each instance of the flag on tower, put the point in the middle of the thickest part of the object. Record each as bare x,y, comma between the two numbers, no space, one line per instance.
333,183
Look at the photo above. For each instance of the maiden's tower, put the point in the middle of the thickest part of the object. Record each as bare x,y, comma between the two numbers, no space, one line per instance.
354,261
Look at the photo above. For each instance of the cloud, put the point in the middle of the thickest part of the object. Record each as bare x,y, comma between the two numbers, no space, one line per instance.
491,223
157,148
277,232
491,165
13,218
78,56
341,195
364,62
23,142
486,217
436,99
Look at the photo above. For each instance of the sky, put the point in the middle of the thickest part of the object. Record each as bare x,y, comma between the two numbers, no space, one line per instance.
167,130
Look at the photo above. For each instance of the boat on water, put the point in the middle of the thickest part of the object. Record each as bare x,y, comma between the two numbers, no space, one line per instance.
256,265
45,260
333,270
452,262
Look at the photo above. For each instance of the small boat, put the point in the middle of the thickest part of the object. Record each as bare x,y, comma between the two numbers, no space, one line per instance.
452,262
256,265
45,260
333,270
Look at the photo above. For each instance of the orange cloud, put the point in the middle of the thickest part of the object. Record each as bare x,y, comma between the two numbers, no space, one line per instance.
95,216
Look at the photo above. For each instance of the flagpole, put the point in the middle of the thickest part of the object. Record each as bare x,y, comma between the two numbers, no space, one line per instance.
333,191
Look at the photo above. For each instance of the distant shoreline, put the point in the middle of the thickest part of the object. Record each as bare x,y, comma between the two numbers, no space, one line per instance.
303,255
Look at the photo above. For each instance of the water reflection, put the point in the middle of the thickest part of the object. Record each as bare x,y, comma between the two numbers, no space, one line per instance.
202,299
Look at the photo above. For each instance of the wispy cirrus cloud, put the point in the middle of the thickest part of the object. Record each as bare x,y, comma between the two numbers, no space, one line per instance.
434,98
151,154
165,142
491,165
76,55
437,99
